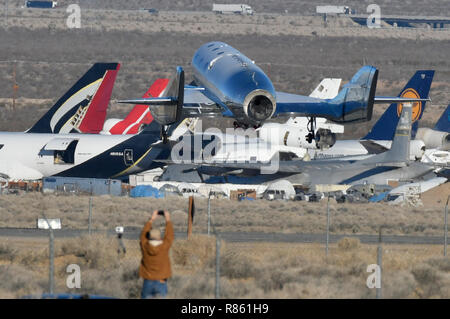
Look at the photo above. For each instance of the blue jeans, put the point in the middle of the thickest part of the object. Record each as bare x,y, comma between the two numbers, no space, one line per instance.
153,289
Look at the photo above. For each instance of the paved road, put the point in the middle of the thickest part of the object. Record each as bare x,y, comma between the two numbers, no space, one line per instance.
133,233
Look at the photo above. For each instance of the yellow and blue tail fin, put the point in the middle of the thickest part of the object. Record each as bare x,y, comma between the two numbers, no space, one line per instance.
417,87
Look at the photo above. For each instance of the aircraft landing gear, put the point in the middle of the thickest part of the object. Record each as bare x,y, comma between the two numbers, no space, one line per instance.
311,128
164,136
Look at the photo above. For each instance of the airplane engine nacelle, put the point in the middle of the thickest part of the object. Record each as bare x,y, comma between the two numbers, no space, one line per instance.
236,80
416,149
434,139
325,138
286,135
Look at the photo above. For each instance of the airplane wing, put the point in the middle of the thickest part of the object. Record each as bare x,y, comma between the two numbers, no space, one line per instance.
354,103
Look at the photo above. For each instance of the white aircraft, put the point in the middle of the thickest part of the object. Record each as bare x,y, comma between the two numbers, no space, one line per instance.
39,152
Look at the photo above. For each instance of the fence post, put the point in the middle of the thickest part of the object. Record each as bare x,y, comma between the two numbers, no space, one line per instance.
209,212
52,260
217,294
328,225
446,227
51,270
379,263
90,215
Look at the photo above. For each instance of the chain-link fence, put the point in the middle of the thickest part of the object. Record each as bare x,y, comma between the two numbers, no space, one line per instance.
223,264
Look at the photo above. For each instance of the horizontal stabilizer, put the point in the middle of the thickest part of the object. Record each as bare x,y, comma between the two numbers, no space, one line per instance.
157,101
393,99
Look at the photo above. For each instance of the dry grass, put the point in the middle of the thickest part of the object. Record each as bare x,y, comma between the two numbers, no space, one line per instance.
256,270
257,216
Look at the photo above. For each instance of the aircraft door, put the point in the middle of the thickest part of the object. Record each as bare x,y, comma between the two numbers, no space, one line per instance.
128,157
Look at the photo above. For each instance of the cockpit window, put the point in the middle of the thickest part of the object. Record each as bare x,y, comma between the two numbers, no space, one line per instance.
1,146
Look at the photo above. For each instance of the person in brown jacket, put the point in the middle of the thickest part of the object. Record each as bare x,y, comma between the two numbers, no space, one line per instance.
155,266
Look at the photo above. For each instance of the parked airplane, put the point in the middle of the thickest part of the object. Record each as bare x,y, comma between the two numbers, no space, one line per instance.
139,115
439,136
227,83
379,138
393,164
32,155
82,108
438,139
398,194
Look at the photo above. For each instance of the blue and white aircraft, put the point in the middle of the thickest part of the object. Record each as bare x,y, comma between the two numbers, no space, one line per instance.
229,84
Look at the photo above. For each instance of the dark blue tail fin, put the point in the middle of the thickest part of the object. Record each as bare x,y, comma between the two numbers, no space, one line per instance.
83,105
443,124
417,87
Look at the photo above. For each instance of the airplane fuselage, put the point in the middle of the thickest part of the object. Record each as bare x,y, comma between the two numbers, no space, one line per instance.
25,156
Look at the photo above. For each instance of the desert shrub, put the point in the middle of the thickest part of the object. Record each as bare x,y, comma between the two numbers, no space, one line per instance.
194,252
429,280
97,251
199,285
348,243
237,265
275,279
7,252
397,285
442,263
30,258
19,280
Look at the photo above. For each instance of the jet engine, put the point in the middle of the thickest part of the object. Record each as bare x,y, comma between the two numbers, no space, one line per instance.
259,105
325,138
294,136
434,139
236,80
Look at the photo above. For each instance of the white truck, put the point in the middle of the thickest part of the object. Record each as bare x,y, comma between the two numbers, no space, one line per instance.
333,10
243,9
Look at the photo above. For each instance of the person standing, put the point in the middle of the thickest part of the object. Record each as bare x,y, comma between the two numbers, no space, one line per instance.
155,266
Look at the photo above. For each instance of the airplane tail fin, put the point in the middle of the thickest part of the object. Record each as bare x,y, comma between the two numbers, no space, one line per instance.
83,107
443,124
399,151
140,114
357,96
417,87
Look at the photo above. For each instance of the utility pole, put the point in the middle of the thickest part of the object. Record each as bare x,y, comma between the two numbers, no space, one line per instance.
209,212
379,262
15,86
90,216
328,225
217,290
6,13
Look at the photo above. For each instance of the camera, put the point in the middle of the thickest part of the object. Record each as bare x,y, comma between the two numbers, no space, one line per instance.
161,212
